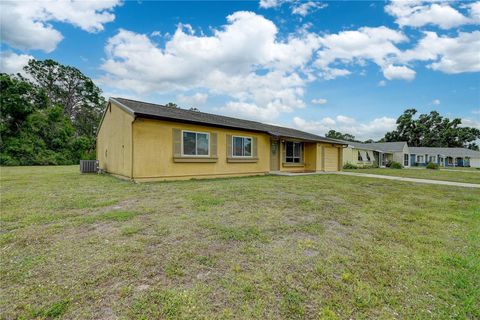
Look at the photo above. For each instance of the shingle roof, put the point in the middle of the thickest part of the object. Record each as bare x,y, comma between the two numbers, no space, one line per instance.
388,146
379,146
156,111
450,152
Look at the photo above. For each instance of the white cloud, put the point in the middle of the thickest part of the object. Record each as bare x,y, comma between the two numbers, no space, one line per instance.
345,120
436,102
382,83
299,7
477,111
420,13
471,123
374,129
261,74
319,101
305,8
392,72
195,100
357,47
449,54
13,63
332,73
474,9
267,4
26,24
243,60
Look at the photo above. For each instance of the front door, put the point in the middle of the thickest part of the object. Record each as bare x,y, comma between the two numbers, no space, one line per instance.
274,155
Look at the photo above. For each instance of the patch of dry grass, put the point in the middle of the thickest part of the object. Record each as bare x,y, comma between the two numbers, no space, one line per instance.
325,246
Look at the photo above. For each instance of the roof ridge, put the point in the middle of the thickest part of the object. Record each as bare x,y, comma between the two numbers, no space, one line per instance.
196,112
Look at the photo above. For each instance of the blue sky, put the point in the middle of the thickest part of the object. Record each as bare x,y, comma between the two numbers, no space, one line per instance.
349,66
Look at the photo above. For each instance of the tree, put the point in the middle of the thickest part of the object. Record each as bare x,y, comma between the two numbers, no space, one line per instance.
340,136
50,119
66,86
171,105
432,130
194,109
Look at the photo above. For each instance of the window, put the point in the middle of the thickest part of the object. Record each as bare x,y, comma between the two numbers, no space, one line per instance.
195,143
431,159
359,158
420,159
368,157
405,160
293,151
242,146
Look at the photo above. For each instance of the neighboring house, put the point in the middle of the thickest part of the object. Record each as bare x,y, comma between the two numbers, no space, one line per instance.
367,154
445,157
145,141
360,154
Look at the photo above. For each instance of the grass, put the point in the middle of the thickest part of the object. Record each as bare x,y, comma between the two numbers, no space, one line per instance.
422,173
461,169
315,247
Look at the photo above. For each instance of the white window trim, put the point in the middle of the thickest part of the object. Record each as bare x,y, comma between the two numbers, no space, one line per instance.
233,147
418,157
300,156
197,155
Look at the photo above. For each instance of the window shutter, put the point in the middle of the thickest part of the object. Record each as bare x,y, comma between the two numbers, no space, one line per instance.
229,146
177,142
254,147
284,151
213,144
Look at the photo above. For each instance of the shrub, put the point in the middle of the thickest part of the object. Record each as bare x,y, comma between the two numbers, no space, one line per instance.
395,165
433,166
349,165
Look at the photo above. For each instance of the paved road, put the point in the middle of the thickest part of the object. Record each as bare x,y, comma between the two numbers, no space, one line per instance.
379,176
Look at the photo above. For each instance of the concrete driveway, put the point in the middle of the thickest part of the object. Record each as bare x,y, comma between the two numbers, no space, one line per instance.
379,176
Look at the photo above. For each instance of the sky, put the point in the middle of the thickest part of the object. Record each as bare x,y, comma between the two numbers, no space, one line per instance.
350,66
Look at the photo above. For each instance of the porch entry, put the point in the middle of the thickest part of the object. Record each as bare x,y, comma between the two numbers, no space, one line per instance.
274,155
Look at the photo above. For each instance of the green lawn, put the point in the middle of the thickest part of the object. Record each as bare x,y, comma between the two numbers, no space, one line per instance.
318,246
421,173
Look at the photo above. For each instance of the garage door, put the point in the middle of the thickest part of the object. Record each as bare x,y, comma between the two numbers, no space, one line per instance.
331,159
475,162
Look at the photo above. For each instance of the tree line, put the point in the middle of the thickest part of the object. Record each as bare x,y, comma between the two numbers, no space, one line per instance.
49,116
426,130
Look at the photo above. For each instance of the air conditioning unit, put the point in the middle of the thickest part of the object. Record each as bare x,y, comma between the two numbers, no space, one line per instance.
88,166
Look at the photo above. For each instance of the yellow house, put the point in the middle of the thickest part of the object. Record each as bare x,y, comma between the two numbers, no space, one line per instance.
144,141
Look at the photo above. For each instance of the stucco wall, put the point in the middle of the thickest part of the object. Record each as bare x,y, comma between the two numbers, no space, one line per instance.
398,157
311,156
153,152
114,142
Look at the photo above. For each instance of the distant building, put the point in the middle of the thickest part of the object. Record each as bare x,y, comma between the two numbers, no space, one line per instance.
368,154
